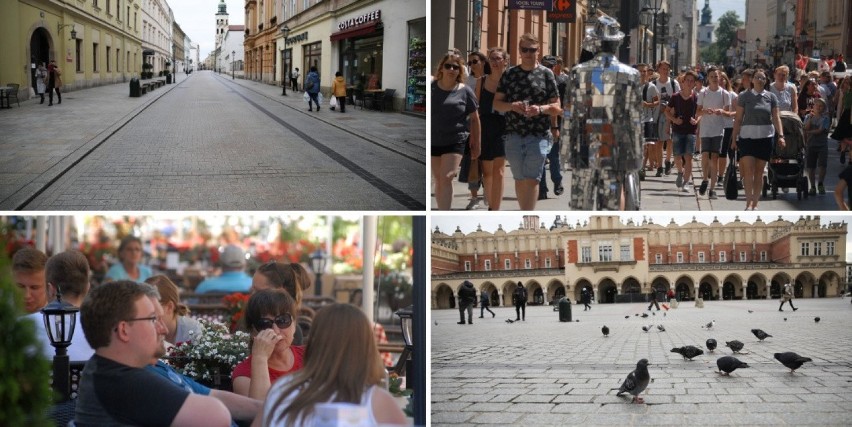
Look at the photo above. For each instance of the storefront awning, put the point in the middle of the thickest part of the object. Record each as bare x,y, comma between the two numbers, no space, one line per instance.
361,30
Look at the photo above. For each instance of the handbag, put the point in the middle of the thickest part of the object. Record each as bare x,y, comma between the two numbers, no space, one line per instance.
731,182
332,102
306,97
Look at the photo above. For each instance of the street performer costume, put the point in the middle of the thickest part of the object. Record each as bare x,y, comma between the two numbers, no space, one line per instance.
605,100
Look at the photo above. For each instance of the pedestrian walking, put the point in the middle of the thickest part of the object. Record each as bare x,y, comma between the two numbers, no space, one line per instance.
843,130
554,63
817,125
294,80
670,295
653,295
484,303
455,123
467,298
41,80
471,172
666,87
681,112
787,297
650,117
493,127
520,297
714,111
726,152
586,299
338,90
54,82
312,87
755,126
529,96
844,185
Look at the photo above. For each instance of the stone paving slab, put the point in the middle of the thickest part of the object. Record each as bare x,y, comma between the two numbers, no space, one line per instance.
542,372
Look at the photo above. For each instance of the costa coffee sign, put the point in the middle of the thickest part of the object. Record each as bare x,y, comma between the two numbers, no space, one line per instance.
359,20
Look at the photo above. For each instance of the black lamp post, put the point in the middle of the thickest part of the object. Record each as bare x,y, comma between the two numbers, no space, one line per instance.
678,35
318,260
406,323
60,318
233,57
653,7
285,31
757,49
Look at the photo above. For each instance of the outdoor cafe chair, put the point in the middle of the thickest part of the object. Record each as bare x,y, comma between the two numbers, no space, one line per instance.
13,94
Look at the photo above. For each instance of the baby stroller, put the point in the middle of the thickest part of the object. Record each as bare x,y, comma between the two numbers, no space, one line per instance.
787,164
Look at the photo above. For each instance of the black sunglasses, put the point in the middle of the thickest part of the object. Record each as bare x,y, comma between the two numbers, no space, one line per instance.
451,67
473,62
529,49
283,322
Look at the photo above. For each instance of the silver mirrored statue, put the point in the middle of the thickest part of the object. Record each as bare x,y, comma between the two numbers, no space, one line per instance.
603,122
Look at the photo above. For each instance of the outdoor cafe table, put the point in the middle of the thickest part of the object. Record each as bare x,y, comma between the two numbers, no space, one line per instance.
372,94
4,96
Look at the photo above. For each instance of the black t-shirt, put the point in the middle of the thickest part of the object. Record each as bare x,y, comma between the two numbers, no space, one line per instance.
538,86
450,110
114,394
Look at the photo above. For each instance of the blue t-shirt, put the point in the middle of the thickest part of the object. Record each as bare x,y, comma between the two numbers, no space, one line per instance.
229,281
117,272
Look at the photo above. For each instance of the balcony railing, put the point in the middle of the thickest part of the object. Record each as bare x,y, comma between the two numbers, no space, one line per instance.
501,274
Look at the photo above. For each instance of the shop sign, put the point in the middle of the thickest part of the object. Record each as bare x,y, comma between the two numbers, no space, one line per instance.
531,4
563,11
296,39
362,19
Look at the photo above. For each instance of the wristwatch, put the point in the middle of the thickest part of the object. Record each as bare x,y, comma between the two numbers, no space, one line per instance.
554,128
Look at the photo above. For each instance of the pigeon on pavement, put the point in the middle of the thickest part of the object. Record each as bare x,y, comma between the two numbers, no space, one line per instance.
510,321
688,352
792,360
605,331
626,317
760,334
816,319
661,328
647,328
728,364
710,325
636,381
751,311
711,344
735,345
644,315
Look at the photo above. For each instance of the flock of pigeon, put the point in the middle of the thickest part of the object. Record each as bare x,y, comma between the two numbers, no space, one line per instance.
639,378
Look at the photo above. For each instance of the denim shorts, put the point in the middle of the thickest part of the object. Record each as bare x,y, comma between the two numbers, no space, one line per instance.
684,144
526,155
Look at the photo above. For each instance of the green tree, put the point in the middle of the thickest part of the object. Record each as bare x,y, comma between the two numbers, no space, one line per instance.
726,36
25,391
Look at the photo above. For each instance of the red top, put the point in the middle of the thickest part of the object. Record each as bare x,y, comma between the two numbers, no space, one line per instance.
243,369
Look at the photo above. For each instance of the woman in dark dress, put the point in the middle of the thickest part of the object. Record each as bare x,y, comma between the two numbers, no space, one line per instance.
493,123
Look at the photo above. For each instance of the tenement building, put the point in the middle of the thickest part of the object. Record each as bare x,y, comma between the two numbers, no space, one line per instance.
625,262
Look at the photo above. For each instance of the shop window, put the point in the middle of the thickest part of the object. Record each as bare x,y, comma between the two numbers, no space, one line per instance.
362,61
95,57
311,54
415,98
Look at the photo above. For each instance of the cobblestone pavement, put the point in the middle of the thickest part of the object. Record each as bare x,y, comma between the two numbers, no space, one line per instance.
543,372
660,194
207,143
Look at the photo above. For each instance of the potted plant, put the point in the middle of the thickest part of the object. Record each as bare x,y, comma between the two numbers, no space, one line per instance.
210,357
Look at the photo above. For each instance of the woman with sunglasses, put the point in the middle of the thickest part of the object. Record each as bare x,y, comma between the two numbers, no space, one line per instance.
454,119
493,124
291,277
342,365
756,124
843,130
478,66
270,316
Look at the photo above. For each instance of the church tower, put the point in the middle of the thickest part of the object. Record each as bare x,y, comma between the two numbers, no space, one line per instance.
221,23
706,28
706,13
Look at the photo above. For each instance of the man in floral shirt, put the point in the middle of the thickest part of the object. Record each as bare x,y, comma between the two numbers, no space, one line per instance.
529,96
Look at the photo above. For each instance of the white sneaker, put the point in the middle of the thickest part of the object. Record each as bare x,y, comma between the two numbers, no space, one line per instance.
687,187
473,204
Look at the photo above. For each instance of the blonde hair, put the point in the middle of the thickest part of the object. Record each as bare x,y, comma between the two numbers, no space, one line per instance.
462,76
530,38
341,361
168,293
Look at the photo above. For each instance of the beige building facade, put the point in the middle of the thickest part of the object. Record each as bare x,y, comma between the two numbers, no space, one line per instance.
625,261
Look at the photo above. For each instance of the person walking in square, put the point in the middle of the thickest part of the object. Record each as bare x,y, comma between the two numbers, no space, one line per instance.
41,80
787,297
54,82
294,80
654,302
483,304
312,87
467,298
520,297
586,299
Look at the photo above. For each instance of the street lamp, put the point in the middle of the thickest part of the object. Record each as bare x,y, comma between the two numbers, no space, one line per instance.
757,49
233,57
60,318
677,35
318,260
285,31
407,324
653,7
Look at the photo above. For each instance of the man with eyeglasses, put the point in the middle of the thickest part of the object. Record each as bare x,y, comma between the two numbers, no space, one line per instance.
528,95
121,323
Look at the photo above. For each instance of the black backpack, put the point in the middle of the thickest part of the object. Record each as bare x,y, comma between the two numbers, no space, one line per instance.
520,294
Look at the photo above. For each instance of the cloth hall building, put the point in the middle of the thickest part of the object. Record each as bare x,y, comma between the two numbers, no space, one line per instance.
623,262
